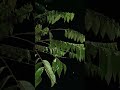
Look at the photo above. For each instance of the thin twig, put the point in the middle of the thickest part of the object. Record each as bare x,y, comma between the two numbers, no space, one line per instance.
9,70
60,29
16,61
38,55
27,33
53,55
23,39
43,42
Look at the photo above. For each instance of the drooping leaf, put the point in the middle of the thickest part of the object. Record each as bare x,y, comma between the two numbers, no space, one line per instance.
49,72
96,24
110,30
38,78
25,85
76,36
102,63
58,66
114,76
102,26
88,20
65,68
108,77
38,65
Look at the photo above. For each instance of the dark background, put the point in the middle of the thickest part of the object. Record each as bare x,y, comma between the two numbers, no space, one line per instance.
79,79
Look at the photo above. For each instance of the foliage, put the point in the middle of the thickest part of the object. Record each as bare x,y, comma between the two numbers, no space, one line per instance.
108,53
56,48
11,15
45,43
108,59
99,23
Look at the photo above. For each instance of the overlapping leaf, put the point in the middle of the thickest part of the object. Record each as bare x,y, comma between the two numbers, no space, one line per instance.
49,72
25,85
38,73
54,16
99,23
76,36
58,66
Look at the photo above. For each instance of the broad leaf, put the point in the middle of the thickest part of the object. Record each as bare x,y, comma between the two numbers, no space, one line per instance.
57,66
25,85
37,66
49,72
38,78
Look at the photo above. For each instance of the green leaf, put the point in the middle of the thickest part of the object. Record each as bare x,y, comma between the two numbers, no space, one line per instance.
71,16
108,77
25,85
49,72
37,66
68,17
54,65
88,20
96,24
58,66
38,78
65,68
57,18
102,26
110,31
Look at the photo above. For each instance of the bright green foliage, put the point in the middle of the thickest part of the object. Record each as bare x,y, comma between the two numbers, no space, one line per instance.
38,73
108,52
38,65
39,32
54,16
77,52
57,48
58,66
76,36
49,72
